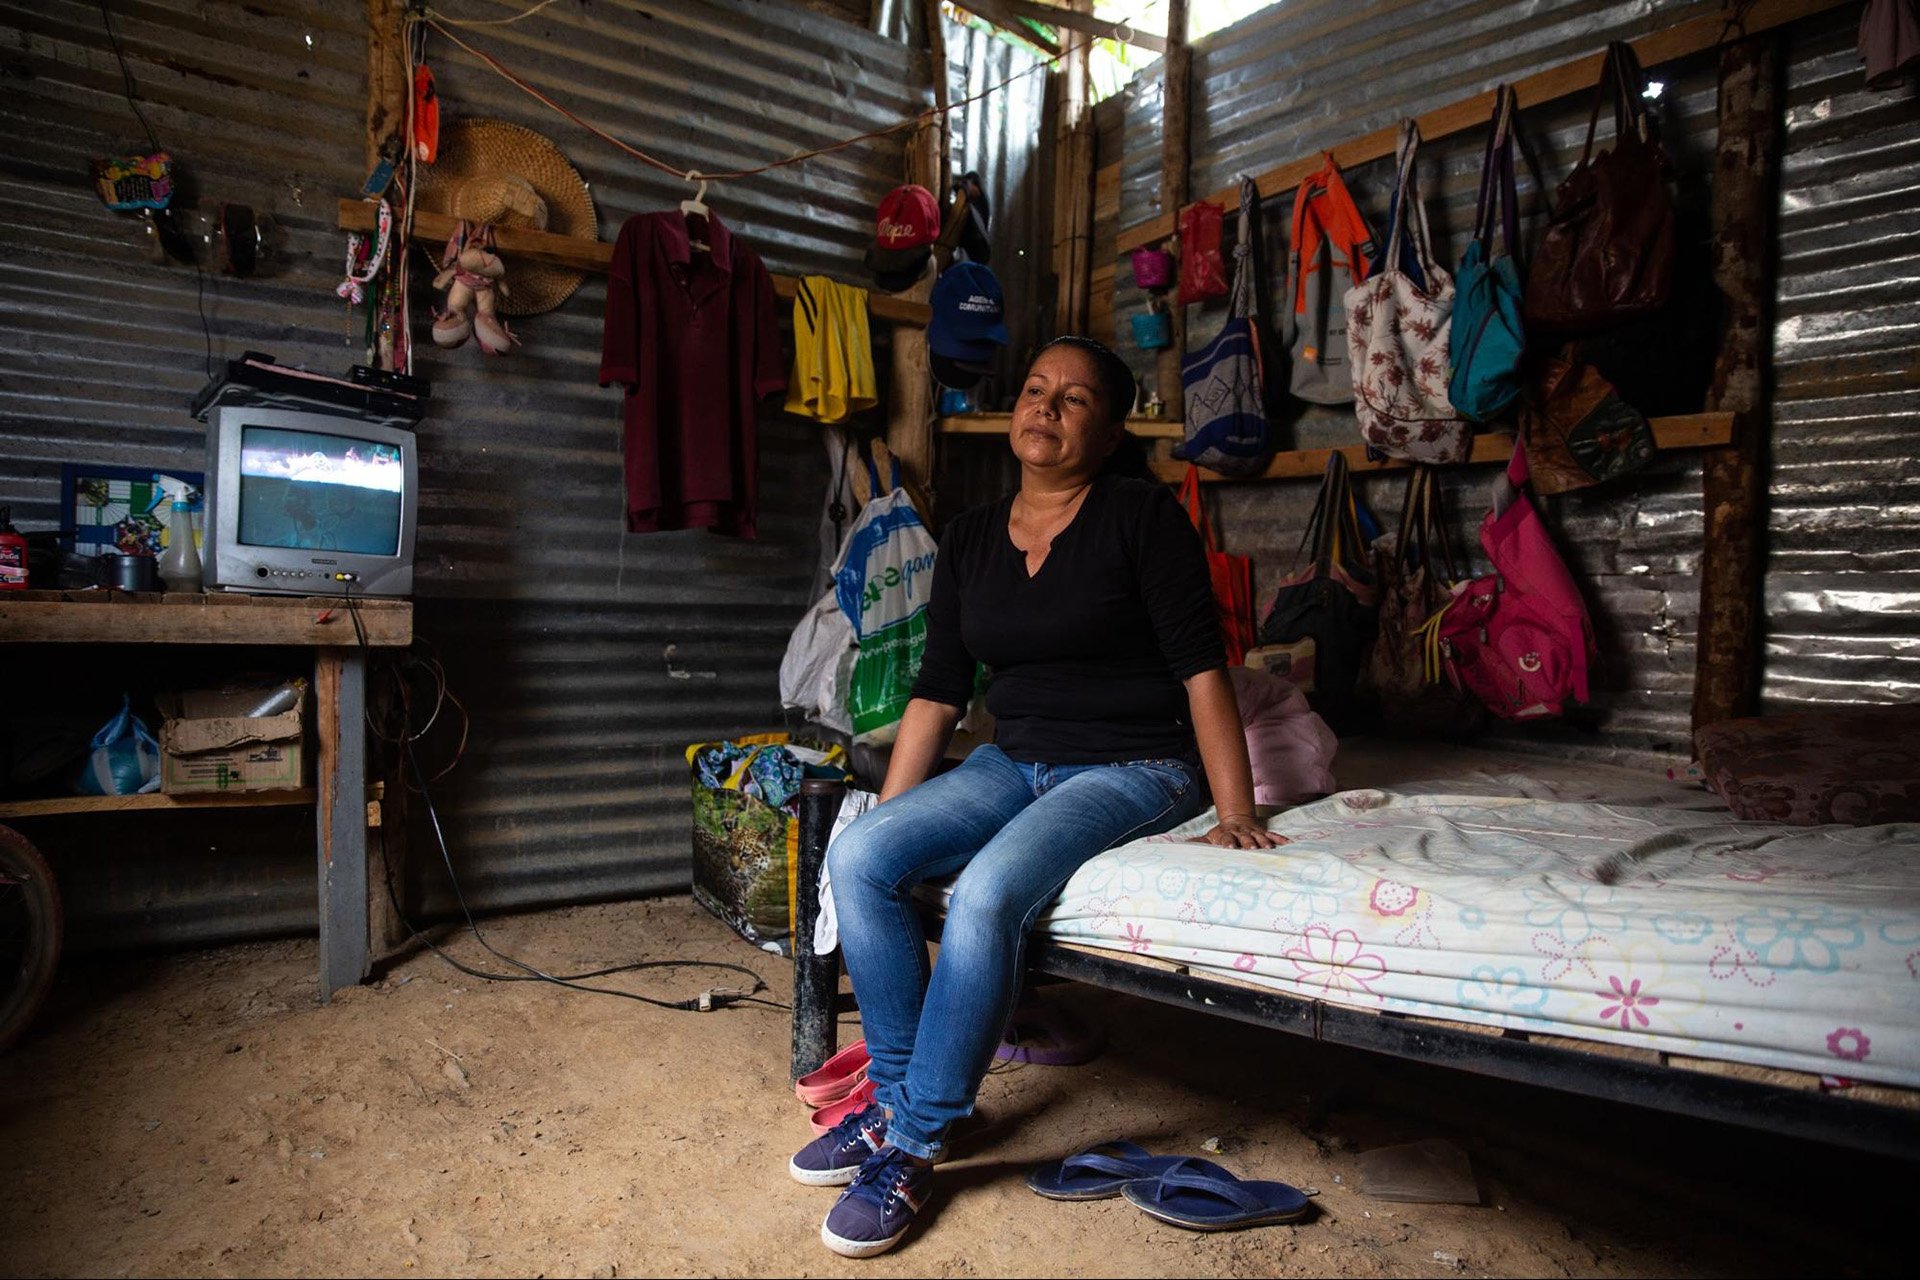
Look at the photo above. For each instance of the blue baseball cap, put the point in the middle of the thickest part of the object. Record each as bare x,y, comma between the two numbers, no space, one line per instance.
969,311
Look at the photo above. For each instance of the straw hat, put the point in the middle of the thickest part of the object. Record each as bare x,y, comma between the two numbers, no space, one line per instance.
510,176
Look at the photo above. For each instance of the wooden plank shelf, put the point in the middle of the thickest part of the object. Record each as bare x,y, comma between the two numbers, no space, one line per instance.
1695,35
1694,431
997,424
106,616
434,229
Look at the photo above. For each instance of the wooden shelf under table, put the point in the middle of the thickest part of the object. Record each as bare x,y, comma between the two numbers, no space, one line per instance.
55,806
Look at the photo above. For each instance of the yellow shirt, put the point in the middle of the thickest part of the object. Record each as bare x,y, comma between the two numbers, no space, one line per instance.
832,354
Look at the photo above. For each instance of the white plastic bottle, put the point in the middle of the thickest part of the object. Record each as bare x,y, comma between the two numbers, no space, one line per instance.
180,563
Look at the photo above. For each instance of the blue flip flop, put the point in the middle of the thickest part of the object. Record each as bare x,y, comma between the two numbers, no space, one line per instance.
1100,1173
1201,1199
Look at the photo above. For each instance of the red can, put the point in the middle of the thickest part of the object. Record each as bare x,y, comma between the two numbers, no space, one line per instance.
13,554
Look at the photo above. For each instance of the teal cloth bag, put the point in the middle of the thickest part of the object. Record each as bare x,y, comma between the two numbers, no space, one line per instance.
1487,333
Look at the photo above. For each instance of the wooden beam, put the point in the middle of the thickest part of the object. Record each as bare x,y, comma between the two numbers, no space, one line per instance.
1175,118
1695,35
1083,21
1694,431
433,229
1074,141
388,93
1727,658
997,12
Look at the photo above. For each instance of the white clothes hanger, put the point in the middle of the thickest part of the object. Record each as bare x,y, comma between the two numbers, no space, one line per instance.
697,207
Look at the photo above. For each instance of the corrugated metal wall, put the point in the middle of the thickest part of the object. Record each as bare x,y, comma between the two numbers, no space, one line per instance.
558,622
998,137
1844,578
555,625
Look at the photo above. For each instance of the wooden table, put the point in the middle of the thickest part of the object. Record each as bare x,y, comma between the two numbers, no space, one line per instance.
339,794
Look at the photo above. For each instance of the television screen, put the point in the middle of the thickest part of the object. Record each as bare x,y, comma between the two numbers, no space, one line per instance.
319,492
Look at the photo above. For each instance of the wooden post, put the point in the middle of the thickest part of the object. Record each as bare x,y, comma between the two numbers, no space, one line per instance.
1073,162
1745,174
910,404
340,814
389,100
1174,142
387,89
387,854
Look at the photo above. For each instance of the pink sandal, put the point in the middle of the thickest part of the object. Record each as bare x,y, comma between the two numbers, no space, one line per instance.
837,1077
827,1117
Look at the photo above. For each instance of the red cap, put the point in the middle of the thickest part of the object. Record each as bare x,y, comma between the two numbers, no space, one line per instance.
909,219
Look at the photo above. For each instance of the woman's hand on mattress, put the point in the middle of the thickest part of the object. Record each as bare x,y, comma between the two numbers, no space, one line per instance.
1240,831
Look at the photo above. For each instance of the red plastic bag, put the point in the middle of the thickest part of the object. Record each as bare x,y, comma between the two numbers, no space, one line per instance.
1232,577
1203,274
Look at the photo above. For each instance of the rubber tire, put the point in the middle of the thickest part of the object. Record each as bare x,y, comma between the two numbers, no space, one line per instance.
22,994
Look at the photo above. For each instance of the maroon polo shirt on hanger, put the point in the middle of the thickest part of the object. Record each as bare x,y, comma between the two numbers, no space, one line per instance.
691,334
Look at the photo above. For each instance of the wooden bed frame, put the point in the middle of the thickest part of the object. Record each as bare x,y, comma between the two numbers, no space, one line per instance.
1878,1118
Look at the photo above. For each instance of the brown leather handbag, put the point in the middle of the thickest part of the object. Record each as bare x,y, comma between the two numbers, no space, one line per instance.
1609,248
1577,429
1417,575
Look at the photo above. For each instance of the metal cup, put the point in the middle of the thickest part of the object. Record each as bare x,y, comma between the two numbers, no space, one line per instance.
132,573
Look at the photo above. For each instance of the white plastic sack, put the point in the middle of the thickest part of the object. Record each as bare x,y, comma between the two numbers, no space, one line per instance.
826,926
818,664
883,581
1290,748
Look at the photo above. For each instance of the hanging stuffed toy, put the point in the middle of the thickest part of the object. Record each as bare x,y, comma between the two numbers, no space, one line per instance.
475,280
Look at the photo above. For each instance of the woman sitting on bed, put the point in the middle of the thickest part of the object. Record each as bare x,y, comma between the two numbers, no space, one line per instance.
1086,594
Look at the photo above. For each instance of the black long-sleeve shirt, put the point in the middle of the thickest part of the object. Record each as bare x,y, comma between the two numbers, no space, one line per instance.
1087,655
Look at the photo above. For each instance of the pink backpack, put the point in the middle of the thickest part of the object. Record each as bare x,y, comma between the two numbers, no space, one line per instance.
1518,638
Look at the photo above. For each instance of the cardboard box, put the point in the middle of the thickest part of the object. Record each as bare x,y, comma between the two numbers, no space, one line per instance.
208,744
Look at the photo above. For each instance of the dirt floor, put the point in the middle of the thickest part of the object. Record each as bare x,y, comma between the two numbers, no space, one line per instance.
201,1114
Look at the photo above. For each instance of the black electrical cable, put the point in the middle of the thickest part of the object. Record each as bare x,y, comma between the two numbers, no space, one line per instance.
712,998
126,77
570,979
153,140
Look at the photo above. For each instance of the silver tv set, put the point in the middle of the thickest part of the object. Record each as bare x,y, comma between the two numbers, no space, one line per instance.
308,504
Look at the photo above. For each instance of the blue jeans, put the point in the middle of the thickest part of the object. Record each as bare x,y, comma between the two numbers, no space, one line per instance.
1015,833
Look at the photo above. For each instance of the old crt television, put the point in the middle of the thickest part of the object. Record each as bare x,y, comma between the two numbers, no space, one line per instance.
308,503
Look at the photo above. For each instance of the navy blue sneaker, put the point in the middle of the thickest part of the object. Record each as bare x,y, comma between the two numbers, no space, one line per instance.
873,1213
833,1158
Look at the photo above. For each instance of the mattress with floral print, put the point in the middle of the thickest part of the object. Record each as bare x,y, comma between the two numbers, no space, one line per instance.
1536,902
